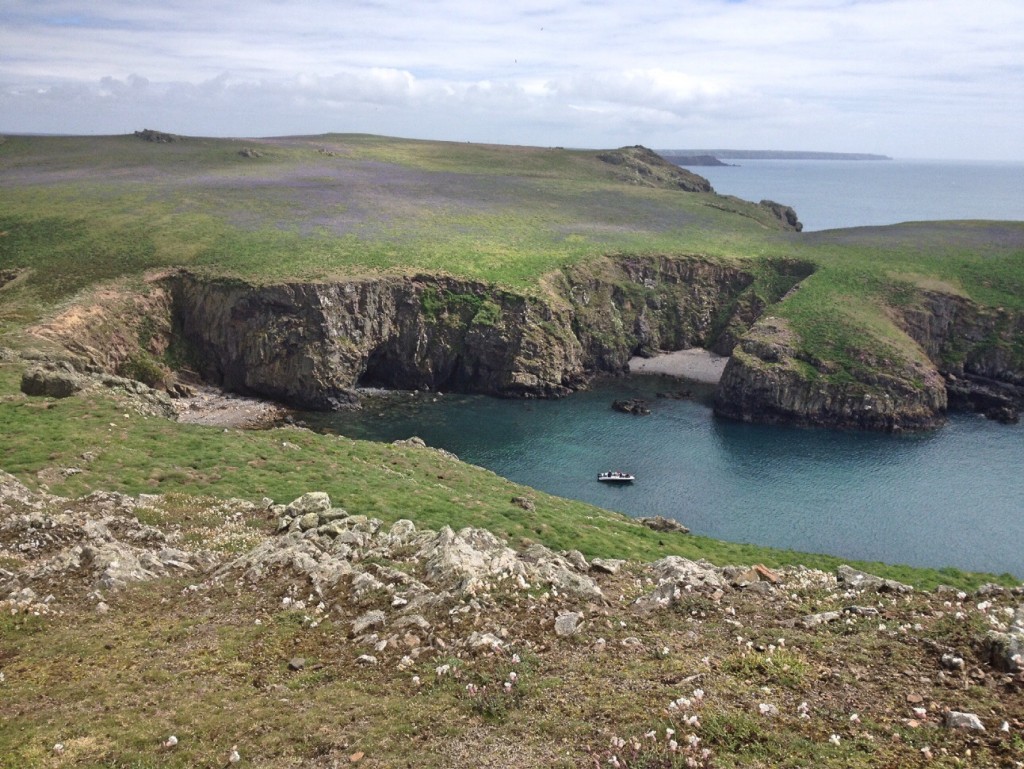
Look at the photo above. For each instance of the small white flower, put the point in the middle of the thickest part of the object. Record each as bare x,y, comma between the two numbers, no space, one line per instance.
673,745
698,694
513,676
1005,727
854,718
415,680
234,757
669,733
834,739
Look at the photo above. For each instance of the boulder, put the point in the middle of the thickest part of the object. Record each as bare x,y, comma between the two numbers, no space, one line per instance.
311,502
967,721
366,621
660,523
606,565
567,623
847,576
471,554
52,382
633,406
1006,650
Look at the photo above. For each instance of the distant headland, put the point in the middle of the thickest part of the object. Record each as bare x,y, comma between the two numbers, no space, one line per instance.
715,157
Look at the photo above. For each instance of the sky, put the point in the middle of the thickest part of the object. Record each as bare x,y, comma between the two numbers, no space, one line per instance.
937,79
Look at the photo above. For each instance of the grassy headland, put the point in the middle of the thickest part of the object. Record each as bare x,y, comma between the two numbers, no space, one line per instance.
803,672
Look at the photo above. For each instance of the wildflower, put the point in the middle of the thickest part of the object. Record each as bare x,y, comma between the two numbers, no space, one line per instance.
415,680
984,605
170,742
515,659
693,741
920,712
513,677
618,743
926,752
651,735
834,739
1005,727
669,733
854,718
698,694
673,745
58,748
442,670
614,761
234,757
693,721
508,686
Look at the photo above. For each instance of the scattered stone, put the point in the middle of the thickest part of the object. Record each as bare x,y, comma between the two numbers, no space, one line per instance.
1006,650
606,565
577,560
525,503
366,660
296,664
567,623
862,611
822,618
249,152
375,618
952,662
311,502
968,721
660,523
848,576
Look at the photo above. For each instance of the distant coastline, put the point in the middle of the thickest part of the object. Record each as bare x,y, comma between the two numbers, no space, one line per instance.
768,155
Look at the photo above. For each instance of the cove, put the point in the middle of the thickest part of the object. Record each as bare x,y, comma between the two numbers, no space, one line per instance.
951,497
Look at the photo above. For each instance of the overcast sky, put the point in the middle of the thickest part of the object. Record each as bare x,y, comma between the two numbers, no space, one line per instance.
908,78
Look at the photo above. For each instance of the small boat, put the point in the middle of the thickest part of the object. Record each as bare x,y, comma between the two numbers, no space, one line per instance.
614,476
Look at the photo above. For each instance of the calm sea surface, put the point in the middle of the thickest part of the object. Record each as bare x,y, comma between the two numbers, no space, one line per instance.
953,497
844,193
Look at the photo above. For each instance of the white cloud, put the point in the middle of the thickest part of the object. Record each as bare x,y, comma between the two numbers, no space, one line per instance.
872,75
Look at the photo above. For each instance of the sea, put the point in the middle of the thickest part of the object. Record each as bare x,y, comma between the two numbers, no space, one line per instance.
953,497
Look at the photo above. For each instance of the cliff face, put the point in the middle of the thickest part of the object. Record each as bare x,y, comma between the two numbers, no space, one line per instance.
311,344
769,381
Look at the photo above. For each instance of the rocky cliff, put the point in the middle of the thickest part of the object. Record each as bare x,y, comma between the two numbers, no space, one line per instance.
770,380
310,344
961,355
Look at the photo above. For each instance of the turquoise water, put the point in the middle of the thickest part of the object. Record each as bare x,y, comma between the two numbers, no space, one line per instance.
844,193
953,497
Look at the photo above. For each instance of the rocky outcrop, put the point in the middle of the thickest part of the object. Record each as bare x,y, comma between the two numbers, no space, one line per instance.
980,350
639,165
770,380
785,214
